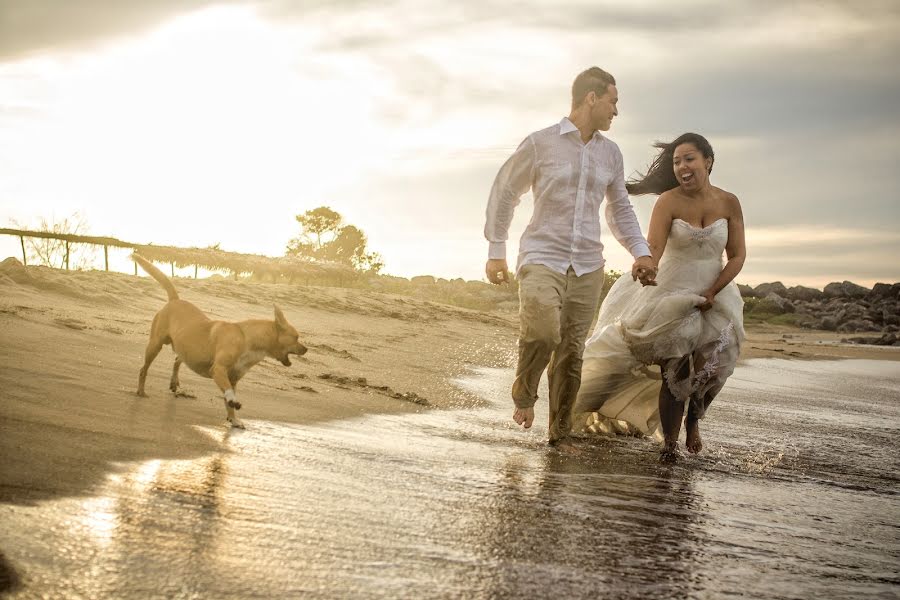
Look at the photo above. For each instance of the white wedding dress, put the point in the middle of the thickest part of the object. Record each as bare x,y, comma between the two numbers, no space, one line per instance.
642,328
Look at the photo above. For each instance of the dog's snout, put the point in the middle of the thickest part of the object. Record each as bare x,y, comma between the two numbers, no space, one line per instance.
301,349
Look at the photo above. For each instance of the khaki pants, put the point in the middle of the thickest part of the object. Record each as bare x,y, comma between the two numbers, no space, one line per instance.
555,312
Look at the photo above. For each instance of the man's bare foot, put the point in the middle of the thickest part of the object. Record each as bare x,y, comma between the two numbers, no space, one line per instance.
524,417
693,442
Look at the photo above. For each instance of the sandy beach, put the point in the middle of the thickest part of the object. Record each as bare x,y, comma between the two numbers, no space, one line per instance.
73,343
72,425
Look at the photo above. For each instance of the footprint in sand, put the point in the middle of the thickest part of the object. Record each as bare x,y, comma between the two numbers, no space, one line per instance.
71,323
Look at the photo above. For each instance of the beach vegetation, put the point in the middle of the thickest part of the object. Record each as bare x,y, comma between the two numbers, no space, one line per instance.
324,236
58,252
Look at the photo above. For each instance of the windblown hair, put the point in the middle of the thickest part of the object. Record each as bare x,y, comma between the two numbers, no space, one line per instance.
594,80
660,177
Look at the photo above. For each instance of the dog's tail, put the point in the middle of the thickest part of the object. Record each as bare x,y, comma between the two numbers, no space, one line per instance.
156,274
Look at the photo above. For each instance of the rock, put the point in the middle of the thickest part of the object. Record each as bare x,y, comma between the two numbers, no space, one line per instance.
888,339
850,312
746,291
426,279
857,325
764,289
773,304
828,324
845,289
784,306
881,290
885,290
807,294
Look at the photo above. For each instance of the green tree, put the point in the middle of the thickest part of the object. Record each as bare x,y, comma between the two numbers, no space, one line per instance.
323,236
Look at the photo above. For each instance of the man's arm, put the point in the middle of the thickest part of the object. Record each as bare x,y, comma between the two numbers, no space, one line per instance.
625,227
513,180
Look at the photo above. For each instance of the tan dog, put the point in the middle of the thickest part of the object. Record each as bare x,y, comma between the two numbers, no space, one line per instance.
218,349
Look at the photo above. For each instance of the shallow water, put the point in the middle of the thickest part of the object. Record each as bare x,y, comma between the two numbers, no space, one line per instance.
795,496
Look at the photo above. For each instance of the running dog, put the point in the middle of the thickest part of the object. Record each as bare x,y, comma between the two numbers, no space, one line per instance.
220,350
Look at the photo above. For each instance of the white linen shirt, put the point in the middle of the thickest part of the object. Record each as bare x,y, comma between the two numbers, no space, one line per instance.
569,180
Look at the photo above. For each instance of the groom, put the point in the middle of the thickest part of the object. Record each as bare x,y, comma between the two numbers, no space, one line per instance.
569,167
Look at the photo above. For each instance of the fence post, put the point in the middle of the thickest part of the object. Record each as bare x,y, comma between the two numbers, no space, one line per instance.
106,257
24,258
173,268
195,271
67,255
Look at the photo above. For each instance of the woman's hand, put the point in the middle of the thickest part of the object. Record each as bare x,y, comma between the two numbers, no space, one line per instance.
710,300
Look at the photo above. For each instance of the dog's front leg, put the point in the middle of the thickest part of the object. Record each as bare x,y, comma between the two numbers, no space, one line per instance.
220,376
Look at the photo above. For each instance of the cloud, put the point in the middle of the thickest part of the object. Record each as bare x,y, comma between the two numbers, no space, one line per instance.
40,26
801,101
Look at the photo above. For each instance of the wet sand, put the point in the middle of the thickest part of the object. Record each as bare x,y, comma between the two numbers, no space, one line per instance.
73,343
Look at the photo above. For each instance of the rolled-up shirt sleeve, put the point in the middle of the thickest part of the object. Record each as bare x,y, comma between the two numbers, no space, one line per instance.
620,217
513,180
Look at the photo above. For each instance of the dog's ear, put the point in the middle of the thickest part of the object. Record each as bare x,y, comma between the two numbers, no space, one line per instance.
280,320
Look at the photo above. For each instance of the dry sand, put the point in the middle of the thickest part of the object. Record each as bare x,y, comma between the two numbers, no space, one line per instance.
72,344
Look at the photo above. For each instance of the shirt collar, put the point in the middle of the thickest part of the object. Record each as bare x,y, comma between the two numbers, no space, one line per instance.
567,126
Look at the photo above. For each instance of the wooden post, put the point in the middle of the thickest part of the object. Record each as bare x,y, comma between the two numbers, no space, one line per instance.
195,271
67,255
106,257
135,268
24,258
173,268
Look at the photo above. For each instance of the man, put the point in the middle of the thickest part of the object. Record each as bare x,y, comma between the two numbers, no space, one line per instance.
569,167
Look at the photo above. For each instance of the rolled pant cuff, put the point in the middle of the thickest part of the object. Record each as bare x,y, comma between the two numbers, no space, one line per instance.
524,403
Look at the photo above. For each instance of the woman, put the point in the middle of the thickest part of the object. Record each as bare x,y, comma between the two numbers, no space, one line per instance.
687,329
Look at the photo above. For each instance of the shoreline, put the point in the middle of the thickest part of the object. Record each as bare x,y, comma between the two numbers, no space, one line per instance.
74,342
780,341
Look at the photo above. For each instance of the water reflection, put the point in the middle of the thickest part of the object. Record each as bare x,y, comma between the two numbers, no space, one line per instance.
153,531
461,504
595,524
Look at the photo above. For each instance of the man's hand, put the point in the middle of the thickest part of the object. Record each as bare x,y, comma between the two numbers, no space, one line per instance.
497,271
644,269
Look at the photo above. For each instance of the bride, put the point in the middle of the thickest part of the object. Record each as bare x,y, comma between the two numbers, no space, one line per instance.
658,348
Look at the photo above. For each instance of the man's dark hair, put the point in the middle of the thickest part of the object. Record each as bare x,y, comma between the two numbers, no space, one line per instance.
594,80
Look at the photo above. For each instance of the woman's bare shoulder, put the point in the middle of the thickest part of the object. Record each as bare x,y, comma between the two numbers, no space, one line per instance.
729,201
668,198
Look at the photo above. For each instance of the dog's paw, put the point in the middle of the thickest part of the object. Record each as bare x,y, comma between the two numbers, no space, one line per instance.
236,423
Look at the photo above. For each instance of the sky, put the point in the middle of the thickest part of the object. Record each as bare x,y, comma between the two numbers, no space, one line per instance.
197,122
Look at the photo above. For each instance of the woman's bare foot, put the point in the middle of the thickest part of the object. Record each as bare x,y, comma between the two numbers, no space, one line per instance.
669,451
566,446
524,417
693,442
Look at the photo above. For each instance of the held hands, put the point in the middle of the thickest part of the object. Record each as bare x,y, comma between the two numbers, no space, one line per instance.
497,271
644,270
710,300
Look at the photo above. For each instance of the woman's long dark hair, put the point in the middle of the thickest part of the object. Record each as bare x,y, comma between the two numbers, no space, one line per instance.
660,177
